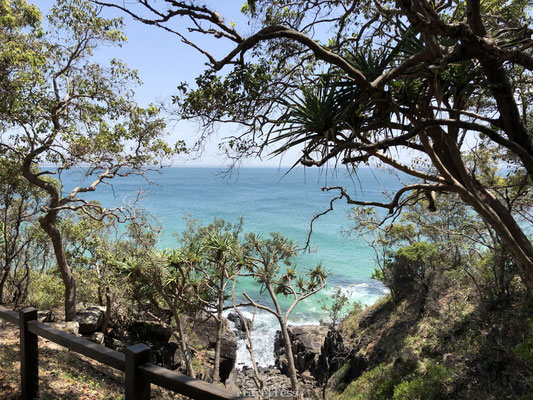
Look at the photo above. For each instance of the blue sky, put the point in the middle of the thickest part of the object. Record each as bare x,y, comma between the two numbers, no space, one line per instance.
163,62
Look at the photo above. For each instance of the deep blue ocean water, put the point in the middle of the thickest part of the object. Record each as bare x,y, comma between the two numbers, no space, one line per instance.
269,200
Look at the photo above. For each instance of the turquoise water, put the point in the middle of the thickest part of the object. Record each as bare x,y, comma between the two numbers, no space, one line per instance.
269,201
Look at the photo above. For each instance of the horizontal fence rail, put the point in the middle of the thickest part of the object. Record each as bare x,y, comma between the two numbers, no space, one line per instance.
139,372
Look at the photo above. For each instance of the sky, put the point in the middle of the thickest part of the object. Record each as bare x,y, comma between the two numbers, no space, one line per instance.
163,62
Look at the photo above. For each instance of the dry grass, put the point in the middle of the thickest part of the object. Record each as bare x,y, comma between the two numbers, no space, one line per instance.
63,374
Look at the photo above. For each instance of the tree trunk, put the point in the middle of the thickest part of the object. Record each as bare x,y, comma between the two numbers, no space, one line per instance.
511,235
290,357
220,308
182,341
48,224
451,165
216,367
2,283
108,303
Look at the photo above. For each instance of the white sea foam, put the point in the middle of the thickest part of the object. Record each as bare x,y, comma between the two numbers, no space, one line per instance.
263,334
266,325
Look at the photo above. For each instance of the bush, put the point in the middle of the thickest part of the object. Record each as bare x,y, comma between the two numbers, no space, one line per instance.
87,284
428,385
410,269
46,291
375,384
400,380
524,351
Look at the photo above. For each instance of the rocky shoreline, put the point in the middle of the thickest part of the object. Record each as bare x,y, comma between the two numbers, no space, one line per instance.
315,348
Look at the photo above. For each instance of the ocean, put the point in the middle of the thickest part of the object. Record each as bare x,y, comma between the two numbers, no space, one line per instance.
268,200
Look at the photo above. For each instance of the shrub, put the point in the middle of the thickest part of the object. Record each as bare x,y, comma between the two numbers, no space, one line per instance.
410,269
46,291
375,384
400,380
87,286
524,351
428,384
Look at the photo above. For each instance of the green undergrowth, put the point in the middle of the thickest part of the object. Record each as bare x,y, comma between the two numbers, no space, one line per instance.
448,342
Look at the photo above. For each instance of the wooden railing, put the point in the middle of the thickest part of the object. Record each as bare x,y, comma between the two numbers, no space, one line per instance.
139,372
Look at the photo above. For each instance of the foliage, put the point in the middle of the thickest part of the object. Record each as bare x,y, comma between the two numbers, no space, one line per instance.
410,269
270,263
22,245
524,350
466,245
375,384
365,83
427,384
68,110
441,333
337,307
46,291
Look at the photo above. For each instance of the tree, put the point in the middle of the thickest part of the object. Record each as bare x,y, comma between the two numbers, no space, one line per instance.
194,277
67,110
221,260
359,82
171,274
453,233
269,263
21,244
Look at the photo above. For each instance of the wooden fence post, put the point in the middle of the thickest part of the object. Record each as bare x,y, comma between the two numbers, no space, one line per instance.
29,357
135,387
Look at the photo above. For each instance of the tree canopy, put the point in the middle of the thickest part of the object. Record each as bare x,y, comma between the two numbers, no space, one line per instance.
437,90
63,109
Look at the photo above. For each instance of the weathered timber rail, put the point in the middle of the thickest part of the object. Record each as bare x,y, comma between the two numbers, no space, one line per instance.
135,363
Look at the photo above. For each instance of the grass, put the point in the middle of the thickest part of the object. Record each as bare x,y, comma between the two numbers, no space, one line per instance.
447,344
63,374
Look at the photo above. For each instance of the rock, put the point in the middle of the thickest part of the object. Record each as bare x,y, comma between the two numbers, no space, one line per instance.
115,344
152,334
232,383
165,355
90,319
205,331
307,377
72,327
276,385
239,322
97,337
306,343
283,365
333,355
45,316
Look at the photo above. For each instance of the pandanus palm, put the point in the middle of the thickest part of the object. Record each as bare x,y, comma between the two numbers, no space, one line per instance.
334,116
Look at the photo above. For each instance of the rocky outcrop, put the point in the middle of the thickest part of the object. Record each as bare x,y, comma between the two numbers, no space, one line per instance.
45,316
306,342
150,333
157,337
333,355
90,319
276,385
72,327
115,344
204,331
240,323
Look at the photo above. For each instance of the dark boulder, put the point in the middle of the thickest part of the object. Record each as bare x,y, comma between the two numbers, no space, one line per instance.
306,344
204,330
152,334
45,316
90,319
239,322
333,355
